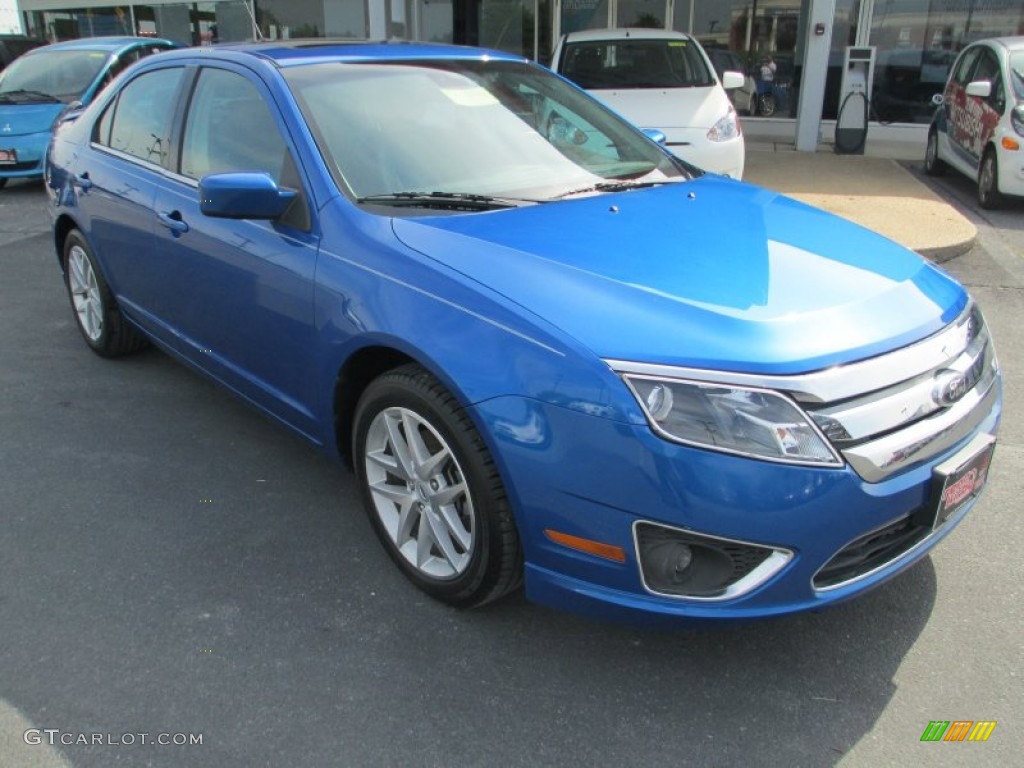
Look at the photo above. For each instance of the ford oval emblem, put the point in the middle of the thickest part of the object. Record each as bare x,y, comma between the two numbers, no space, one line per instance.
950,386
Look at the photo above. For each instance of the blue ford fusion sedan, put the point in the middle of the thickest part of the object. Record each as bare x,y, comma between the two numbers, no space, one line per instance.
44,85
553,353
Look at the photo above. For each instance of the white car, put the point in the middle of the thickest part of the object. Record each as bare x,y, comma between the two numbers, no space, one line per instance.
660,80
978,128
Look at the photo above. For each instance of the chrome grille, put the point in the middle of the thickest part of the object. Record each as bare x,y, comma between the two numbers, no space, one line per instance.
891,428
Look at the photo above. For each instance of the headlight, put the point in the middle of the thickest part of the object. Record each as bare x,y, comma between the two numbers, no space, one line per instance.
726,128
1017,119
741,420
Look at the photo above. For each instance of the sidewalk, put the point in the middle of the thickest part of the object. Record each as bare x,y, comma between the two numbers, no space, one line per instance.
875,192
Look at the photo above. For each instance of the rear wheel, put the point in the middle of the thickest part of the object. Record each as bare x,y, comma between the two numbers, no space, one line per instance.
432,490
3,183
933,166
100,321
989,196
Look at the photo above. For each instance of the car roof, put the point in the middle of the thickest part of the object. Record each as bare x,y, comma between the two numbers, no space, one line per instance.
1013,43
637,33
100,44
287,53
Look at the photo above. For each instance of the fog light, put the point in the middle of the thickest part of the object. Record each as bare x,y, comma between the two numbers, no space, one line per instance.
684,564
669,560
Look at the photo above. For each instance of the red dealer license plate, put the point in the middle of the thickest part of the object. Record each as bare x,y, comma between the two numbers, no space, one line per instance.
957,481
8,157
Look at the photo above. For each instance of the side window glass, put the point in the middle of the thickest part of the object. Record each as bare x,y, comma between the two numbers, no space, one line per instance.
998,97
141,117
230,128
965,64
101,133
987,67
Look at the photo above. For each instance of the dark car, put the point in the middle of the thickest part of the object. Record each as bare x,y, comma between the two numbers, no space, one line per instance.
12,46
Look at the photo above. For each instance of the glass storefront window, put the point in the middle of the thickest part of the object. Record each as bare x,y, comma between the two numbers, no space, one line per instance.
763,36
578,15
74,23
641,13
285,19
917,42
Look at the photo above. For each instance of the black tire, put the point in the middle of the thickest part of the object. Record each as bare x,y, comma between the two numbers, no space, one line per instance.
766,105
3,182
96,313
933,165
989,196
472,552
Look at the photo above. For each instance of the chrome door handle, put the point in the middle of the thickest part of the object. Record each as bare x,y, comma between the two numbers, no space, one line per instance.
173,222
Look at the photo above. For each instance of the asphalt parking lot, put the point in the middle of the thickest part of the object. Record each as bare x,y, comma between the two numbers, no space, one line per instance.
172,563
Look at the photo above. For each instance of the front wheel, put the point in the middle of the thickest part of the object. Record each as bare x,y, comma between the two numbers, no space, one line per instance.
432,490
766,105
933,165
3,182
989,196
100,321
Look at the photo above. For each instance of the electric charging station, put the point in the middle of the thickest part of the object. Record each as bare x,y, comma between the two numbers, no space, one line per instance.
855,99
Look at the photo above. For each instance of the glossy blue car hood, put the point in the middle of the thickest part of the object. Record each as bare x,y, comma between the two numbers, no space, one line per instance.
711,273
25,119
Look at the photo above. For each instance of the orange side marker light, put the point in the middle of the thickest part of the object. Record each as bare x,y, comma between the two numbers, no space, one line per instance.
606,551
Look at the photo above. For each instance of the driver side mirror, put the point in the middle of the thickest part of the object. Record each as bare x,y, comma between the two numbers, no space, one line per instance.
732,80
246,195
980,88
658,137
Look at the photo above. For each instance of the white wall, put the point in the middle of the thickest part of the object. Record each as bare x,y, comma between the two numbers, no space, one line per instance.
10,19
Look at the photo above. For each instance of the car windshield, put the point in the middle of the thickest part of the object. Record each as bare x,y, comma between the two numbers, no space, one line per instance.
633,63
1017,73
470,128
43,76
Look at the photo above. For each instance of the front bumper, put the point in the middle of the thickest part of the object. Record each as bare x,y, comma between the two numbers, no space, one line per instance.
1011,166
31,151
694,146
593,478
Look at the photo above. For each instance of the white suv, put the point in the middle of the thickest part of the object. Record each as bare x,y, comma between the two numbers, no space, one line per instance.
660,80
979,127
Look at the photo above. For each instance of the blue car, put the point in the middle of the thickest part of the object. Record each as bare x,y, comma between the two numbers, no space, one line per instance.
45,84
553,353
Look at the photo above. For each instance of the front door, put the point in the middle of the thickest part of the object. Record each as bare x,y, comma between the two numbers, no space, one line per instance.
242,290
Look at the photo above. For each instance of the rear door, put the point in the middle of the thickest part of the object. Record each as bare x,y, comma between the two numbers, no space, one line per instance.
117,181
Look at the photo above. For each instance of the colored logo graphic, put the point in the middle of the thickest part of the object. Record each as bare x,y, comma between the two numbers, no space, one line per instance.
958,730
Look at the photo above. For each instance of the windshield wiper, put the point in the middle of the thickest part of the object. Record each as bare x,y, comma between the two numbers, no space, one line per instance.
450,200
616,186
36,95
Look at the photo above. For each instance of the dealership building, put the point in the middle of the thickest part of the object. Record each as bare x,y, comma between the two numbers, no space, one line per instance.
910,43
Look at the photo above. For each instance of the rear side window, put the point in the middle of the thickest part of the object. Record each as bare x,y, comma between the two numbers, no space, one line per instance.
636,64
138,122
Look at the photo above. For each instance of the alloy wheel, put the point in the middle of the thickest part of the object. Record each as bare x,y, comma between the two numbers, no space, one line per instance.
419,493
85,293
